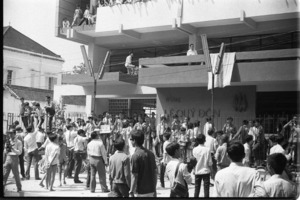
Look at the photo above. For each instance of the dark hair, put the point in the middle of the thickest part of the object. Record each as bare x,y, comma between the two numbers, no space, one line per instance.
175,116
273,138
130,52
190,125
277,162
168,129
48,133
59,129
280,138
229,118
19,129
16,122
236,151
68,119
138,136
249,138
80,132
200,139
69,126
37,104
171,148
167,135
197,123
191,44
94,135
208,119
210,131
60,138
29,129
52,137
119,144
182,129
245,122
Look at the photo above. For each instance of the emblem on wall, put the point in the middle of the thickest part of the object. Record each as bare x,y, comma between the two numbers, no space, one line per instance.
240,103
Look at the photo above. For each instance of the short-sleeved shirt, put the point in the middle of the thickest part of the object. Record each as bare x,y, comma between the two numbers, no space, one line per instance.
51,150
143,163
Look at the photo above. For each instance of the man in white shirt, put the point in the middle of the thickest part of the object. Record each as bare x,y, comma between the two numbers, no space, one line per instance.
203,167
70,136
277,148
207,126
20,135
211,143
166,158
98,160
191,51
80,145
31,150
52,160
183,175
128,64
276,186
12,151
247,146
235,180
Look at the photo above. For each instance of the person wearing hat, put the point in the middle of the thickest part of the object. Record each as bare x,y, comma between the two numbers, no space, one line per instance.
13,148
50,111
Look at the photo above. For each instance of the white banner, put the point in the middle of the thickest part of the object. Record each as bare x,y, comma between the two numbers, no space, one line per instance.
224,77
105,129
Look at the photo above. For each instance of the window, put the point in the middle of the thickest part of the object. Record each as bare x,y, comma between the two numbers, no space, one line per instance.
9,77
51,81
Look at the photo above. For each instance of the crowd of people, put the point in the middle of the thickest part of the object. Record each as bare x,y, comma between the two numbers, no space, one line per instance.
89,17
137,152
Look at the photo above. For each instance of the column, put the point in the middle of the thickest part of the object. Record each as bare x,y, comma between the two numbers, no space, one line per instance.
97,55
89,104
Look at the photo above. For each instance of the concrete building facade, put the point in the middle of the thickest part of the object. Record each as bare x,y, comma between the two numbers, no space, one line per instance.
264,35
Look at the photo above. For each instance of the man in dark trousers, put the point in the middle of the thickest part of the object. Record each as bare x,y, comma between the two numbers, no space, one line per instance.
119,170
143,168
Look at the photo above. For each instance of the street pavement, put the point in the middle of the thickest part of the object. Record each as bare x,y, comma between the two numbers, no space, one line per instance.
31,188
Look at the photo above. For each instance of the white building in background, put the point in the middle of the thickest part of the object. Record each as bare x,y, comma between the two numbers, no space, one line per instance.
29,70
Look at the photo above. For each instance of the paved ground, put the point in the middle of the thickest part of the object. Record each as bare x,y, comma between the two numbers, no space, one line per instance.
31,188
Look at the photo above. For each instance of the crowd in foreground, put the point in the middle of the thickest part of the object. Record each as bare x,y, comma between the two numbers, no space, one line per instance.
136,152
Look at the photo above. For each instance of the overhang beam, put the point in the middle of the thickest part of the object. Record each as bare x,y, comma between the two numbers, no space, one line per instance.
185,28
129,33
248,21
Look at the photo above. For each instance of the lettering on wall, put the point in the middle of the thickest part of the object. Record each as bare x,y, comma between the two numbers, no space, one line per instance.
193,112
240,103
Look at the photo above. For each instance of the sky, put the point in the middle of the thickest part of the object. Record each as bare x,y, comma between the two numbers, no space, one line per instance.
36,20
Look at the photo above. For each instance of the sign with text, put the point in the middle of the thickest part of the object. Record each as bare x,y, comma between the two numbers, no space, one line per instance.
105,129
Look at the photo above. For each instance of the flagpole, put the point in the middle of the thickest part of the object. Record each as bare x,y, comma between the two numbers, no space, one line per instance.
212,98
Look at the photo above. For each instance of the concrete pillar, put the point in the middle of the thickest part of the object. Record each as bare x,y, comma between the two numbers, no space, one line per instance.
196,40
89,104
97,55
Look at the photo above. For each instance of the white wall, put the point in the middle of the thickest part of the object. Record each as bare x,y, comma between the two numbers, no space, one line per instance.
155,13
23,65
